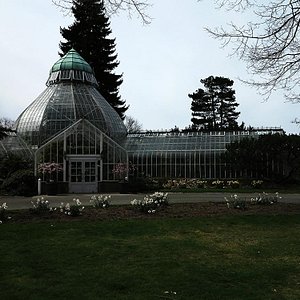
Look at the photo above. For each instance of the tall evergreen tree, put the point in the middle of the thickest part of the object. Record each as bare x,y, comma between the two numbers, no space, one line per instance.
88,35
215,107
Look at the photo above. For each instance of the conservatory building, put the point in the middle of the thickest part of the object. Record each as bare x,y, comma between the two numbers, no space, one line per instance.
77,139
71,131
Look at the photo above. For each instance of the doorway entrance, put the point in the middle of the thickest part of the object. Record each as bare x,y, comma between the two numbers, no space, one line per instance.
83,174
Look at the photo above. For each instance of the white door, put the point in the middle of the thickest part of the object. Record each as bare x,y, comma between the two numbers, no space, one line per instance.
83,177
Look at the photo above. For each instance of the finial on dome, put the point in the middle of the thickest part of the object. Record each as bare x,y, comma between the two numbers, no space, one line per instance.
71,67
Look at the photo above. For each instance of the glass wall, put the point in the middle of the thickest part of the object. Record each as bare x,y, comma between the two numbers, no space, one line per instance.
185,155
14,143
81,142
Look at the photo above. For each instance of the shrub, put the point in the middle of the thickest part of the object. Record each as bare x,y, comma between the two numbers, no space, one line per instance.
11,162
72,210
21,183
49,170
100,201
137,184
151,203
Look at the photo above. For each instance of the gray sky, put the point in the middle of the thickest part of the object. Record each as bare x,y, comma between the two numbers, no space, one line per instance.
161,63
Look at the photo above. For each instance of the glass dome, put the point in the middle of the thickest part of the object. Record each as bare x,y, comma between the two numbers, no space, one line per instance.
71,95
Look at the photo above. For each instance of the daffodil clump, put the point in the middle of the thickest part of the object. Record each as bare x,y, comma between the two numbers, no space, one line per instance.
40,205
262,199
235,202
100,201
3,209
265,199
151,203
218,184
234,184
185,184
72,209
257,183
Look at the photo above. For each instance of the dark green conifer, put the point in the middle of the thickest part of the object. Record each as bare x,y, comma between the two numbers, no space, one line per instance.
89,36
215,107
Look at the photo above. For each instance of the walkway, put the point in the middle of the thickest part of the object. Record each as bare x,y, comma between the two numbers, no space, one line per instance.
17,202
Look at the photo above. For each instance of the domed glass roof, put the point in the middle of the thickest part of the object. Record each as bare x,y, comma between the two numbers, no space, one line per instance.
71,95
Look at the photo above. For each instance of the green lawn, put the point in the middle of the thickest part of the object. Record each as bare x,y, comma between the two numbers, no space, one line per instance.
229,257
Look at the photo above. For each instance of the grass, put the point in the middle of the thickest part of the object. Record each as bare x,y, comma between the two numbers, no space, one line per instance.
228,257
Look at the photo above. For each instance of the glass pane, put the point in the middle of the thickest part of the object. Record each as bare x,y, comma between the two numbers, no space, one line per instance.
76,171
90,171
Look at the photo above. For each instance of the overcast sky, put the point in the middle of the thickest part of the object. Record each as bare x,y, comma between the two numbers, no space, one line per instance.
161,63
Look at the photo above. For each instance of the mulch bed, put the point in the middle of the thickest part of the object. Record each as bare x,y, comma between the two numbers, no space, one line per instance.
125,212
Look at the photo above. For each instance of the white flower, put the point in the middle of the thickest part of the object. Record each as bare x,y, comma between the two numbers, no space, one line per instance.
77,201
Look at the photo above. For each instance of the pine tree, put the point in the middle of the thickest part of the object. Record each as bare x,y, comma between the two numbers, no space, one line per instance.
201,108
88,35
215,107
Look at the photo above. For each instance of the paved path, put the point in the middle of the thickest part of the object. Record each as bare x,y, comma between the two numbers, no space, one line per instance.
119,199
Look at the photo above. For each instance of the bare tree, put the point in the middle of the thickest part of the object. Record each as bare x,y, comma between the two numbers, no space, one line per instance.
132,125
138,7
269,44
6,126
7,123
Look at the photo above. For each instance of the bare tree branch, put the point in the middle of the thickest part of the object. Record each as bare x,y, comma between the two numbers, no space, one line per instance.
138,7
269,46
6,126
132,125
